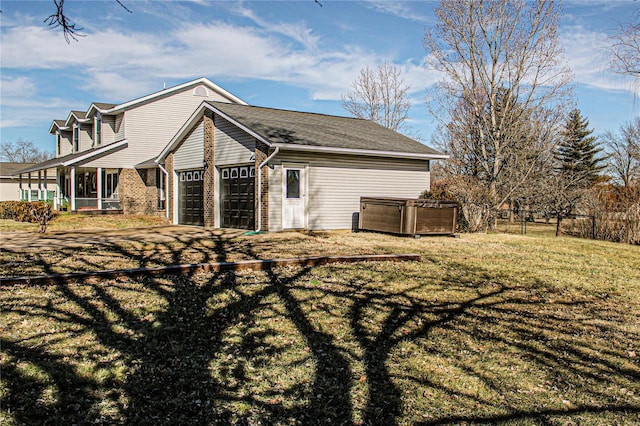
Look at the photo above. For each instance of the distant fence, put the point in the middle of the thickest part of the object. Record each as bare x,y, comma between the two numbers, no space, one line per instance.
619,226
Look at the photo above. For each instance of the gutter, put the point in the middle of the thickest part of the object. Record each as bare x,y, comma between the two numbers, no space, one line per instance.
367,152
260,167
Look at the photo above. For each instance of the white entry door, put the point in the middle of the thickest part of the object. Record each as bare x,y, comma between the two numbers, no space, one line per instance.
294,198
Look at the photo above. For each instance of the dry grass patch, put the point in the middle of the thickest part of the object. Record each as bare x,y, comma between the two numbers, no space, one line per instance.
66,221
485,329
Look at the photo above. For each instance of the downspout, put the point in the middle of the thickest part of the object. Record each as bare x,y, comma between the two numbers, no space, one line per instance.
260,167
166,188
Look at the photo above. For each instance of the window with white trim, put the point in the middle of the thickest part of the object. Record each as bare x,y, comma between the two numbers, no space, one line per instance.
160,189
98,129
76,138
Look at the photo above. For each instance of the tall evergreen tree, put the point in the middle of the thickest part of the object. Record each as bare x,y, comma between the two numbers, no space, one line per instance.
578,150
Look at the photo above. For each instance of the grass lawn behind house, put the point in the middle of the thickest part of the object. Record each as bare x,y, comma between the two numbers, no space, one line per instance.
485,329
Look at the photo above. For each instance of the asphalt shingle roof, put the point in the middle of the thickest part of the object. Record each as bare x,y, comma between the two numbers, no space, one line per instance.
79,114
59,161
319,130
104,105
8,169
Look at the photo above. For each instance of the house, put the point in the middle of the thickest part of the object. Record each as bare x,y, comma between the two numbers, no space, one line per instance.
13,189
104,155
242,166
202,156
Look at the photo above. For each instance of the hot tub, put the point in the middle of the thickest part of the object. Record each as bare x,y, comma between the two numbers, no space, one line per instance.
407,216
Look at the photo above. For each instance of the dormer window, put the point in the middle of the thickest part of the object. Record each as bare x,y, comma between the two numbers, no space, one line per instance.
76,138
98,129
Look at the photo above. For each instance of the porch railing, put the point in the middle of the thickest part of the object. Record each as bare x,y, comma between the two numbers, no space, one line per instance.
111,204
86,203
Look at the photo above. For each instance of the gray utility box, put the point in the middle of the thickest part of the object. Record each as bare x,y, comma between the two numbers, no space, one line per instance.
407,216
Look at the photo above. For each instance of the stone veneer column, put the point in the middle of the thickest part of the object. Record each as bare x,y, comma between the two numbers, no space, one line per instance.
261,153
208,201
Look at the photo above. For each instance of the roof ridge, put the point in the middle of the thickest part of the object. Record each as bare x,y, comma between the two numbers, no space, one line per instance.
294,111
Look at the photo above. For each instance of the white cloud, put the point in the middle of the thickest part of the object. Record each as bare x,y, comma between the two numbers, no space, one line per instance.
16,87
586,52
115,65
401,9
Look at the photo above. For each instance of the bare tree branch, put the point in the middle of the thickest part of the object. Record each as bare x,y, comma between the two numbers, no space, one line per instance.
625,49
379,95
60,19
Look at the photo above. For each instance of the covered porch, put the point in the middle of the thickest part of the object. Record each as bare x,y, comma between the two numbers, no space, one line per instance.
88,188
75,188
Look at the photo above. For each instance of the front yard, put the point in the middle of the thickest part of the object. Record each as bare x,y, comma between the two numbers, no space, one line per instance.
484,329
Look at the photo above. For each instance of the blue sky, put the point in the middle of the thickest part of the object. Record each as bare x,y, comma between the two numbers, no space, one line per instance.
283,54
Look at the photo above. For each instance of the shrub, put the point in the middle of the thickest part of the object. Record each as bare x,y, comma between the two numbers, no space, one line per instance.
24,211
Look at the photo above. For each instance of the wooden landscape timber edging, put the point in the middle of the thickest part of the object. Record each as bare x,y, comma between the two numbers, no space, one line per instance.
243,265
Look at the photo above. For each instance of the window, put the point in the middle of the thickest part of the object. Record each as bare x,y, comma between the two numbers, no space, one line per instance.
98,127
293,183
58,142
200,91
110,184
76,138
160,189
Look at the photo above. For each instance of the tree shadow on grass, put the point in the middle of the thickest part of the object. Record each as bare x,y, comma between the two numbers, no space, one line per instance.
206,348
165,352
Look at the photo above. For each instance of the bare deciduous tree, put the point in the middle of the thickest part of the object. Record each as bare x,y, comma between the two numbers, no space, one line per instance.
379,95
625,49
22,151
504,88
624,153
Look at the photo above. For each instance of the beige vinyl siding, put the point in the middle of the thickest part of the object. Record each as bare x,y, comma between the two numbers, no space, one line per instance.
119,127
10,189
231,144
150,127
190,153
275,198
65,143
108,129
86,137
335,184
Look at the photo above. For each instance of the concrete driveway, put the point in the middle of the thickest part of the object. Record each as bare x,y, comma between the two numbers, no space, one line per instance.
22,240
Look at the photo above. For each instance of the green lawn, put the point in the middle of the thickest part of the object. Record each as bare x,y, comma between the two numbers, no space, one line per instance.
486,329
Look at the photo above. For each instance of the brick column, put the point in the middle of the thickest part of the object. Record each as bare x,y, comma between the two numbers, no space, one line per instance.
261,153
209,172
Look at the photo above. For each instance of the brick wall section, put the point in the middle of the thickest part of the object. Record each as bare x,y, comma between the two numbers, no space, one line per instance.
261,153
168,165
133,191
138,192
209,172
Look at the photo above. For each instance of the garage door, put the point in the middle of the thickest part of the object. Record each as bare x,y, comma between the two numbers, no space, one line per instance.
191,195
237,197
